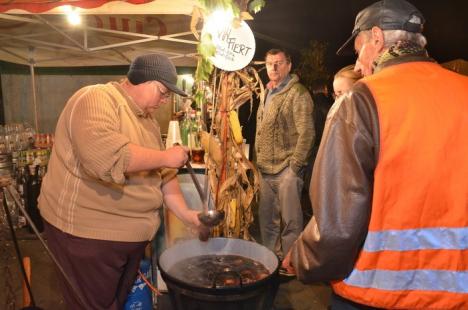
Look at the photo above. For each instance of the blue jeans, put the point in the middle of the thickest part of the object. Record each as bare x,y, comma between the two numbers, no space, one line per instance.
280,211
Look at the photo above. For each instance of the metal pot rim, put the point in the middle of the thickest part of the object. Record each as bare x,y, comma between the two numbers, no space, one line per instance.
210,249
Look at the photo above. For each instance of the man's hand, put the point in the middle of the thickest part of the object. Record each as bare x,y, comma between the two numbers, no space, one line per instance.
203,231
143,158
287,264
176,156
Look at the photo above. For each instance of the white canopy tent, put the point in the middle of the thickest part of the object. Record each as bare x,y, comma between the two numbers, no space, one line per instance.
37,34
110,34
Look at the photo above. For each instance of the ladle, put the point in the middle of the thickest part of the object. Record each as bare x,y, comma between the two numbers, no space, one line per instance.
209,218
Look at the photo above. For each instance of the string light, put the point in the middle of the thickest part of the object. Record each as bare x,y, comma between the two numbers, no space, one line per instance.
217,19
73,16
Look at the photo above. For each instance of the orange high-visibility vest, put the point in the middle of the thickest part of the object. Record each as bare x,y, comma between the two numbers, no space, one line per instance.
415,255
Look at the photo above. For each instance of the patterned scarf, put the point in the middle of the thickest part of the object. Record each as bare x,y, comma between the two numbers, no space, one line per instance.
399,49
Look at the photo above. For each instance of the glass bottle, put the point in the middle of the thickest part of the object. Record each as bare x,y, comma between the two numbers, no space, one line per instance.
192,125
33,189
20,187
185,129
198,153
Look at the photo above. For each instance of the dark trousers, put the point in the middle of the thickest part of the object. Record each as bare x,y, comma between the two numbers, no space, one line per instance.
339,303
103,271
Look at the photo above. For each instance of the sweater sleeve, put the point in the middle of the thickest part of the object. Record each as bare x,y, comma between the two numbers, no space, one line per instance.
168,174
95,137
303,119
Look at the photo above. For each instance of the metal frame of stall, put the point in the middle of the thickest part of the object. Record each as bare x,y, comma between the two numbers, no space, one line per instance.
29,43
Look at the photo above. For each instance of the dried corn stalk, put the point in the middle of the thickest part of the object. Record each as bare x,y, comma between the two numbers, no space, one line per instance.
233,188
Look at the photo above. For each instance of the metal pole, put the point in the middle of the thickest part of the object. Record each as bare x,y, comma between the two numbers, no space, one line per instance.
15,242
33,85
14,194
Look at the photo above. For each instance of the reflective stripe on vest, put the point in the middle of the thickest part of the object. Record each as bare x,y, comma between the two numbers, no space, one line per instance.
411,240
415,255
417,239
422,280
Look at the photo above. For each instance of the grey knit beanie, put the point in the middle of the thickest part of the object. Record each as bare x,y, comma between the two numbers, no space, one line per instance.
154,67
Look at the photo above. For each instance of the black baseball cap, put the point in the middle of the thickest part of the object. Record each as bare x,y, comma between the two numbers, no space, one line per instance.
387,15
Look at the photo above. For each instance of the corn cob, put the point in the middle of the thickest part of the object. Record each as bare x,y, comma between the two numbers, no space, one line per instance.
212,147
235,127
232,213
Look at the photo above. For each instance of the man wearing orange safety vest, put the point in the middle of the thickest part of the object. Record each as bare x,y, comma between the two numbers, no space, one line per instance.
390,183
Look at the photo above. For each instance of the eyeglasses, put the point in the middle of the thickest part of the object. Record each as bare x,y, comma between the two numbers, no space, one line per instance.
276,63
164,94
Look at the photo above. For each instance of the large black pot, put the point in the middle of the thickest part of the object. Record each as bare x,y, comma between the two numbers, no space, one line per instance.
185,296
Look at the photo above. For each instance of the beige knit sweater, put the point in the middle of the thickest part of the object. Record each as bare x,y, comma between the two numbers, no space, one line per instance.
86,192
285,131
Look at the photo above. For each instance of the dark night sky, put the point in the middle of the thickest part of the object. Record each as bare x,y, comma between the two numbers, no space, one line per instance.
291,24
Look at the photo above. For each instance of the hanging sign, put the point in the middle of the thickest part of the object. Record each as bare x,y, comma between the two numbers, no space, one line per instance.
235,46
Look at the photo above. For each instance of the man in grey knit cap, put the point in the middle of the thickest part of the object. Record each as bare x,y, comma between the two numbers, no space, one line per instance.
108,175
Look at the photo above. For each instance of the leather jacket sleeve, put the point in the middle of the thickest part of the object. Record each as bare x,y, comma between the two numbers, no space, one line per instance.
340,190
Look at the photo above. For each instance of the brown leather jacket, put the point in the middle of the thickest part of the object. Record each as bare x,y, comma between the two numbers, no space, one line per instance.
341,187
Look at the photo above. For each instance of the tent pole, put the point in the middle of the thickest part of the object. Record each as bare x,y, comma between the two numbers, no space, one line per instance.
33,85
